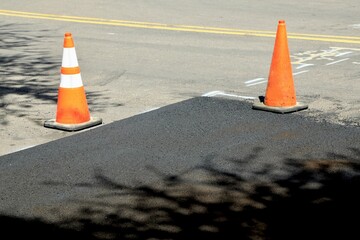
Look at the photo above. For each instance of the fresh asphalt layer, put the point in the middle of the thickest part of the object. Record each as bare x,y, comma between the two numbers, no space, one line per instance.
221,133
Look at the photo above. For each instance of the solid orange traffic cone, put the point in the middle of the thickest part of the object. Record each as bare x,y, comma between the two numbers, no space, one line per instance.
280,94
72,110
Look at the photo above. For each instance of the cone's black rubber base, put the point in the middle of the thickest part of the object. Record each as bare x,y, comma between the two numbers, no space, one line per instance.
73,127
297,107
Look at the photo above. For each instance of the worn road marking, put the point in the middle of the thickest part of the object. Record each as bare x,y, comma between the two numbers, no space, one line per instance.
342,54
342,60
305,71
305,65
255,81
220,93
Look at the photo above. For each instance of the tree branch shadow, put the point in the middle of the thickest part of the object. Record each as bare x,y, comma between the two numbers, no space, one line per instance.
26,65
30,72
317,200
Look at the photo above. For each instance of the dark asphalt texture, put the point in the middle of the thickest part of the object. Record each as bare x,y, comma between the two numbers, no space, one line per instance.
173,141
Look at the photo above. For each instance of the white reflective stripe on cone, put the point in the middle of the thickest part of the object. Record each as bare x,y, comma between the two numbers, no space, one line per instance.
69,58
71,80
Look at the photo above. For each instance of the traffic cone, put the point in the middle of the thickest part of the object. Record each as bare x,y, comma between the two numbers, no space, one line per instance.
72,112
280,94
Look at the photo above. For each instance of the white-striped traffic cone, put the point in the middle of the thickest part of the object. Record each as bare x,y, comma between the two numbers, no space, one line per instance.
72,109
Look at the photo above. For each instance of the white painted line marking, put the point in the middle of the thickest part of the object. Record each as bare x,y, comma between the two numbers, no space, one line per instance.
248,85
342,54
355,25
217,93
356,62
305,71
24,148
150,110
342,60
237,96
255,80
211,94
342,48
304,65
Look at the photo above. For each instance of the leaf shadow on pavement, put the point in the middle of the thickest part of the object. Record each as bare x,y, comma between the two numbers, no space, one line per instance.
317,200
30,73
26,65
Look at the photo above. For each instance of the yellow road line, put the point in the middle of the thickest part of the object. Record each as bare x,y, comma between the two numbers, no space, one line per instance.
184,28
